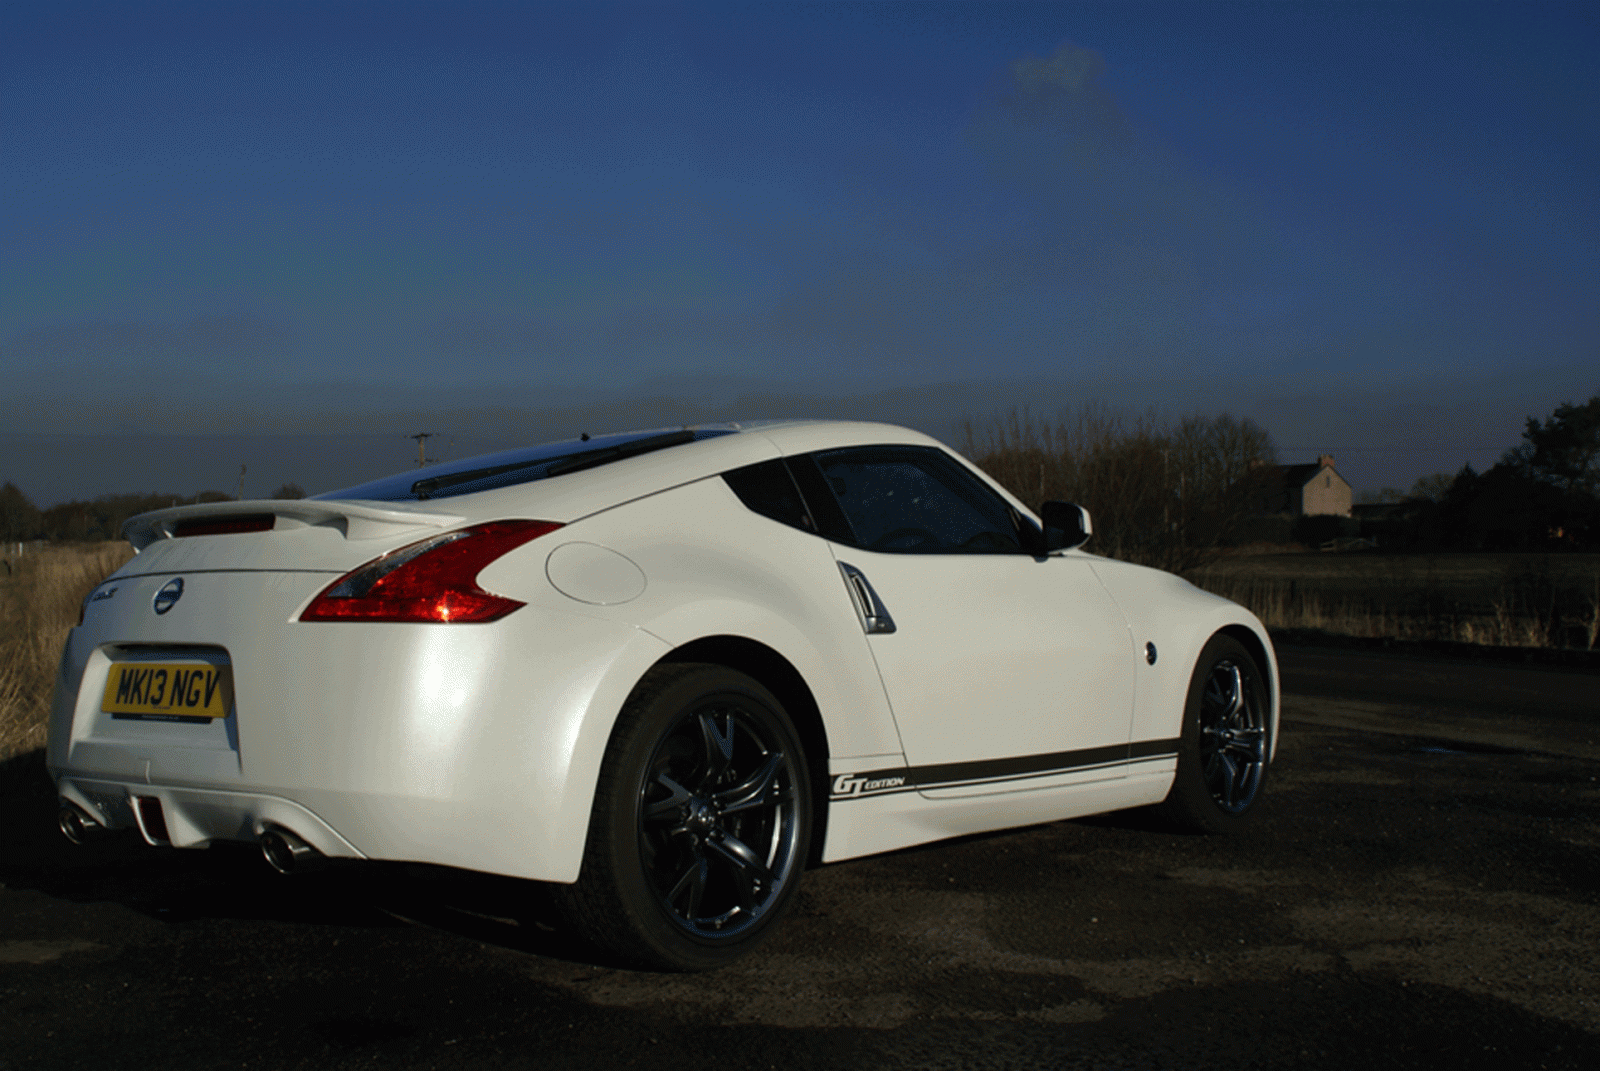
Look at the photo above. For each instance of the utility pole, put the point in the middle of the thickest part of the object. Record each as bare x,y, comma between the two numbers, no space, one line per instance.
422,437
241,481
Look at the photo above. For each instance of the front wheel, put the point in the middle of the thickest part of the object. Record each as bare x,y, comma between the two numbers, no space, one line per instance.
701,822
1223,749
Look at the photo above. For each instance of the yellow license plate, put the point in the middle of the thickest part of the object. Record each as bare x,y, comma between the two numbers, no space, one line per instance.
168,690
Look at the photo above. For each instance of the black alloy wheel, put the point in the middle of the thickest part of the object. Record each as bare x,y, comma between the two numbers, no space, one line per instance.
701,823
1233,735
1225,742
717,822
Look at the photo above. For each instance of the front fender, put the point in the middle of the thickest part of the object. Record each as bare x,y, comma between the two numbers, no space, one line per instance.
1178,619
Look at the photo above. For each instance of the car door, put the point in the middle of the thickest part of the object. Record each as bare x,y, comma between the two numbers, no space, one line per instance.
1004,671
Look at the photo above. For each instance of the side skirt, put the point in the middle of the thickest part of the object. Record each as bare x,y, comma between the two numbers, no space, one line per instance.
886,820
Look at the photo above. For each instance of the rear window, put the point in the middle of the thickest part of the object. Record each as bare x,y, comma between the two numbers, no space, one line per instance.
766,488
523,465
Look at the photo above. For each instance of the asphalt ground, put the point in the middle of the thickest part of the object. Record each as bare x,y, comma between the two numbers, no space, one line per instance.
1422,889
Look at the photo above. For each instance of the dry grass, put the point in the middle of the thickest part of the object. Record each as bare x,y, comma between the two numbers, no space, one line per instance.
40,592
1494,600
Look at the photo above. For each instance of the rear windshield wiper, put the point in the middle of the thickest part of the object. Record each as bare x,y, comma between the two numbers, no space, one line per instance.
558,465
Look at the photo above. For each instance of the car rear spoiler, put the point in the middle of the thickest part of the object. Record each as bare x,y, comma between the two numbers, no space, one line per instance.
355,521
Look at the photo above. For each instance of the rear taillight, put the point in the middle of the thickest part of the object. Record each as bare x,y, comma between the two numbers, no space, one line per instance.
434,580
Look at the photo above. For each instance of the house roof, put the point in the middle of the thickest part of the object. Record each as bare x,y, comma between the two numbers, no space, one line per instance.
1297,476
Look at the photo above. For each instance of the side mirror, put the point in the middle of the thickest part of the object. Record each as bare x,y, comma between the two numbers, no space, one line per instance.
1066,526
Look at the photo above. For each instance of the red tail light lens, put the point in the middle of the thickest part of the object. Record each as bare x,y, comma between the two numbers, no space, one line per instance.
434,580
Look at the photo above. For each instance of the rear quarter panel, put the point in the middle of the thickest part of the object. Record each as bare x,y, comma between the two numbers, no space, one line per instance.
713,568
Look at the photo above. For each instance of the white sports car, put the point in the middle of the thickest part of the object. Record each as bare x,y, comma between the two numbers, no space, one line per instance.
664,670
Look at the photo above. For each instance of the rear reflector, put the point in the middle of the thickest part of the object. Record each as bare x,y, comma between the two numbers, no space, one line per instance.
435,580
224,525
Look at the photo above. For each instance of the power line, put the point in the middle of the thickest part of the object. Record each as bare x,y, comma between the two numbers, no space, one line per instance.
1338,448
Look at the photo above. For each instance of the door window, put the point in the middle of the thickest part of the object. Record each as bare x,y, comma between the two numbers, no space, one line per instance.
915,500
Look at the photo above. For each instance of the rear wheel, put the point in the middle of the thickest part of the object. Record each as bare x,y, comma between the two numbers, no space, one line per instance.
701,822
1222,753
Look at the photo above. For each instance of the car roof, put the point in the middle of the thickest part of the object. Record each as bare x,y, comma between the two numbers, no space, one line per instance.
717,448
802,436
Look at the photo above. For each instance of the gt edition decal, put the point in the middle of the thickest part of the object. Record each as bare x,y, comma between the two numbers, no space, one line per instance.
995,771
846,785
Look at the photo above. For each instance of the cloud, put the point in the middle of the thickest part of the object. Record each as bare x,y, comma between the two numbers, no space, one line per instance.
1084,243
1062,96
1115,202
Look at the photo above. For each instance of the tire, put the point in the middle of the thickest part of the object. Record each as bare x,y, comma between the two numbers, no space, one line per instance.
1223,748
701,822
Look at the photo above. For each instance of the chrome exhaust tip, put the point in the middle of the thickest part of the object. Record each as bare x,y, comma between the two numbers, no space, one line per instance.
77,826
287,853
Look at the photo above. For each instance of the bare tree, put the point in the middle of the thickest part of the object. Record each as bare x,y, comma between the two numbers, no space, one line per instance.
1433,488
19,518
1160,494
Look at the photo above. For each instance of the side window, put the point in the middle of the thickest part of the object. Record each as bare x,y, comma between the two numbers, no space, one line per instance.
915,500
766,488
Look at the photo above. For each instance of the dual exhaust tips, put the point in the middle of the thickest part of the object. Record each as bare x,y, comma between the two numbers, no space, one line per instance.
284,851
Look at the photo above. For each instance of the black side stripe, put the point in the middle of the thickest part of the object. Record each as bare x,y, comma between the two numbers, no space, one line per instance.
1149,749
985,771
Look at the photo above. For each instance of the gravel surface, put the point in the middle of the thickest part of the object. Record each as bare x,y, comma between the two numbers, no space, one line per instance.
1422,888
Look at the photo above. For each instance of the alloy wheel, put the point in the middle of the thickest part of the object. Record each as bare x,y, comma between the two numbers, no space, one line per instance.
718,822
1232,736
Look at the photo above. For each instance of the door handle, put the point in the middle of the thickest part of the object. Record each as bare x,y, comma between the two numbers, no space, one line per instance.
874,615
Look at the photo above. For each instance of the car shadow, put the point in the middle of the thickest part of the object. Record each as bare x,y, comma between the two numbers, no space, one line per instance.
232,881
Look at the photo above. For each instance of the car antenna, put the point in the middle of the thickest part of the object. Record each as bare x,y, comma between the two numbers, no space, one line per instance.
583,437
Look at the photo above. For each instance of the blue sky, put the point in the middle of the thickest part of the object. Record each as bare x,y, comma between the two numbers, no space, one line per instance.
288,235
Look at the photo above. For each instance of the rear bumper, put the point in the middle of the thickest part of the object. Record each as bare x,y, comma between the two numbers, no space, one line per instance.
474,746
194,817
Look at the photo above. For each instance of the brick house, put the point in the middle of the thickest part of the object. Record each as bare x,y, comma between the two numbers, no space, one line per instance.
1308,490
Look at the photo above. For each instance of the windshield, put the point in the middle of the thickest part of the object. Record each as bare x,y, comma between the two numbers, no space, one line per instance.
522,465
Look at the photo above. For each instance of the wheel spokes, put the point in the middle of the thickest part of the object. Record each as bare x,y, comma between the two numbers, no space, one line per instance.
718,745
1225,698
1233,739
1227,787
717,820
1236,695
691,885
760,789
749,872
1216,700
1246,743
671,808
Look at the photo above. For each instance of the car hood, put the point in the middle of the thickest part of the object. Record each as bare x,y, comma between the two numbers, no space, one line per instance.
1142,591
